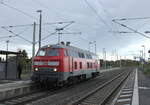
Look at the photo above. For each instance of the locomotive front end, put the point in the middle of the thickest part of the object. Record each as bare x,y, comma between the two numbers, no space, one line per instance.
47,65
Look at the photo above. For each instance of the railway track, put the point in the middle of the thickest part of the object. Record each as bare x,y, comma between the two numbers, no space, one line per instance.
100,95
33,97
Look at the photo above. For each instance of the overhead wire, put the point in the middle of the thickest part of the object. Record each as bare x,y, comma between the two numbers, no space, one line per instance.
46,7
25,25
131,29
99,16
95,11
139,18
100,3
18,10
123,19
17,35
43,5
57,31
8,36
24,13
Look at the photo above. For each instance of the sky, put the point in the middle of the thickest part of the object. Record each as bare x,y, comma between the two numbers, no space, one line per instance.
92,17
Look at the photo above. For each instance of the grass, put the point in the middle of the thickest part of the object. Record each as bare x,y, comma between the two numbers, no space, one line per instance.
25,74
147,71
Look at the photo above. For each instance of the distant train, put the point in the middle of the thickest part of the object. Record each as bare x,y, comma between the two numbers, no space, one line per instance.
60,64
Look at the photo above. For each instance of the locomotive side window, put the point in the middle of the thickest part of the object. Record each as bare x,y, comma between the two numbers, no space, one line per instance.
76,54
53,52
90,56
91,65
80,65
41,52
88,65
81,55
75,65
66,53
69,53
72,53
87,56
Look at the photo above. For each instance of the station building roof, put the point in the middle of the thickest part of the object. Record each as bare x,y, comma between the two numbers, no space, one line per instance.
2,52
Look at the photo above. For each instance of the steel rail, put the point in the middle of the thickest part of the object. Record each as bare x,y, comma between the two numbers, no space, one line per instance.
85,97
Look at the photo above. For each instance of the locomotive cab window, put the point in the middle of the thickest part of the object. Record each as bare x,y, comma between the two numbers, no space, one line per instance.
41,52
53,52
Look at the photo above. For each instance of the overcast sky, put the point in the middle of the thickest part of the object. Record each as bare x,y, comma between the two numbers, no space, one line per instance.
94,27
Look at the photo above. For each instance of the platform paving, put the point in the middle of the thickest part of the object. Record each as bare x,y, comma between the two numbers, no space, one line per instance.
11,84
6,81
16,88
144,88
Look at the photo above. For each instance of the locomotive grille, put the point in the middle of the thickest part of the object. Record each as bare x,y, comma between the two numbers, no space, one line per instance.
47,71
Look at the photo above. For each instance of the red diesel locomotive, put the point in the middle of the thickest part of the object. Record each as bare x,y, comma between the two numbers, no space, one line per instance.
62,63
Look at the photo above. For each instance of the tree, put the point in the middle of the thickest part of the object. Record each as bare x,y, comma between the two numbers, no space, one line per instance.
23,58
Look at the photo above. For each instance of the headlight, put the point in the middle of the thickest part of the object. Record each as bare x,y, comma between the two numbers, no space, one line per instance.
36,69
55,69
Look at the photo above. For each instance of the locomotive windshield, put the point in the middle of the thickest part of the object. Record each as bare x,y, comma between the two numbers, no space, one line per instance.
41,52
48,52
53,52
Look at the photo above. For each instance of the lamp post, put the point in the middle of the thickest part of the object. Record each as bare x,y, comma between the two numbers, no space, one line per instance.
90,46
95,46
144,54
142,61
7,42
104,58
120,62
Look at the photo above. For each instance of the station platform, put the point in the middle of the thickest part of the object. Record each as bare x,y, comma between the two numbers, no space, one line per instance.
109,69
6,81
144,88
10,89
13,81
11,84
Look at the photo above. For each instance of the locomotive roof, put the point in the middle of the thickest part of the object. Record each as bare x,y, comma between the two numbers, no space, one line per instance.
67,47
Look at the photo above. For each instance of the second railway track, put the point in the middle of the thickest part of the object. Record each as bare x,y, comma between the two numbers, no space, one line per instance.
100,95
